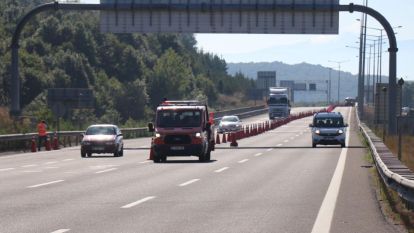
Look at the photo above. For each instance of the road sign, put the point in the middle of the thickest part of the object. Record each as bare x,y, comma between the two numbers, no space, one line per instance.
61,100
222,16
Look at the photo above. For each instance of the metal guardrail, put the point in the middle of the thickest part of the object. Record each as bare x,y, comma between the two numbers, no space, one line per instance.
22,142
394,174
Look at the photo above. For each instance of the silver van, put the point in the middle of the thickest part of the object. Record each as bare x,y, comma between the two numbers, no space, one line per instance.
328,128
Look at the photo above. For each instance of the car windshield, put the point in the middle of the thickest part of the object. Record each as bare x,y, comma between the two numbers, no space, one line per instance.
100,130
179,118
230,119
328,122
278,100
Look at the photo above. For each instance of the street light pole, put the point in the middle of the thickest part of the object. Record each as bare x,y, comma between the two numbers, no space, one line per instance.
399,118
339,75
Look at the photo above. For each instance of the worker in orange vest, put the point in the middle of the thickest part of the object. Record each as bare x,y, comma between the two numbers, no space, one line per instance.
42,133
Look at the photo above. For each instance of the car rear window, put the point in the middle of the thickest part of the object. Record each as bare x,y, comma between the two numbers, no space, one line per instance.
101,130
230,119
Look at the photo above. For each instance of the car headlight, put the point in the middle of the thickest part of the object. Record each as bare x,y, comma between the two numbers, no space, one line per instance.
157,135
198,135
317,131
340,131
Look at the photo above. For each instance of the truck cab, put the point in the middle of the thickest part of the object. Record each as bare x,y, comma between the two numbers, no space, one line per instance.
279,102
182,128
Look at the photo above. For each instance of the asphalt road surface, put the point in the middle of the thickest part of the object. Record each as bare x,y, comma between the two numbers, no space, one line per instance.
279,184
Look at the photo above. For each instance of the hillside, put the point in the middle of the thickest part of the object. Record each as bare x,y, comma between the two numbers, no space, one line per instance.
129,74
299,72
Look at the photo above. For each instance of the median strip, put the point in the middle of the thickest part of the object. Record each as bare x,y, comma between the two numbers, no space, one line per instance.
188,182
138,202
44,184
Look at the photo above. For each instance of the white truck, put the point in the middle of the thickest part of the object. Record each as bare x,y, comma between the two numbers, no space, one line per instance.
279,101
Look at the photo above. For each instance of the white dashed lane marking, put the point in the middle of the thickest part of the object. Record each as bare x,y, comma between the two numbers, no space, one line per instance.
107,170
270,149
258,154
280,144
243,161
148,161
138,202
65,160
221,169
286,141
53,162
29,165
44,184
7,169
188,182
61,231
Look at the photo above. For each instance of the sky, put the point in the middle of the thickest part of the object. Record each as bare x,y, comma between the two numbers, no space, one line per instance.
321,49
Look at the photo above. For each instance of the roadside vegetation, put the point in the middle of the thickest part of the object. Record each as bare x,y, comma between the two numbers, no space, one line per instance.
129,74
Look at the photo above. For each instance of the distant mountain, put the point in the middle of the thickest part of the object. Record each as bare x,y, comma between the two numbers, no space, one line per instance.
300,72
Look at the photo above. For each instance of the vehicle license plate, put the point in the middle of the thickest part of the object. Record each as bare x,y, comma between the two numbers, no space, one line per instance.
98,148
177,148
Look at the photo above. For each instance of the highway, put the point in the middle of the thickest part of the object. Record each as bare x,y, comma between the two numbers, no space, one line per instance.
279,184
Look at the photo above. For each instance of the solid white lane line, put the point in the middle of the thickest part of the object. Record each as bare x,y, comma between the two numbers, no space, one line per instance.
53,162
7,169
280,144
148,161
270,149
107,170
188,182
243,161
138,202
29,165
65,160
44,184
258,154
221,169
324,219
61,231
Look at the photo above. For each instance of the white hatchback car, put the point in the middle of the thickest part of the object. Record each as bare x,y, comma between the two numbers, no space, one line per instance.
328,128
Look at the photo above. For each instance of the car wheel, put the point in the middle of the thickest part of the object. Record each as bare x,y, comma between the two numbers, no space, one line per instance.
83,154
89,154
313,145
342,145
121,153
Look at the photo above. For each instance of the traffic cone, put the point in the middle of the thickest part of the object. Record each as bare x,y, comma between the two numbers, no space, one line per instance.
224,138
217,138
47,144
33,145
151,155
233,141
55,142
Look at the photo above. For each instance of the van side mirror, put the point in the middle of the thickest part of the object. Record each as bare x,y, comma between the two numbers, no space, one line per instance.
151,127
